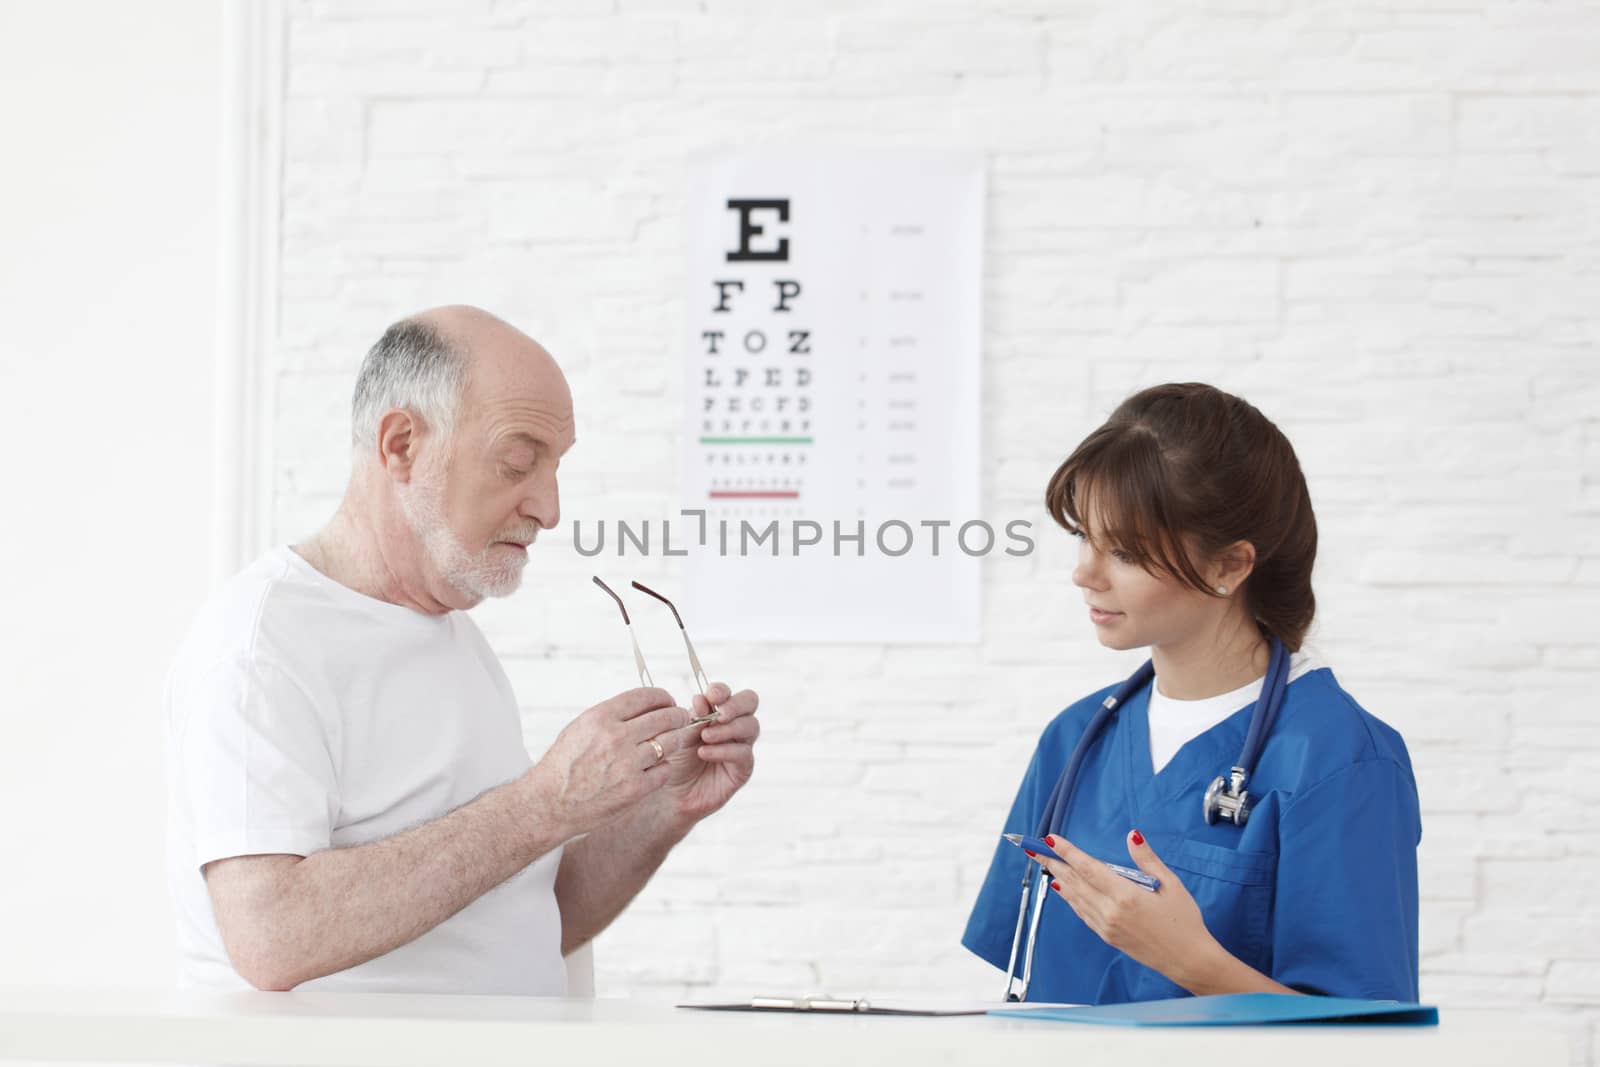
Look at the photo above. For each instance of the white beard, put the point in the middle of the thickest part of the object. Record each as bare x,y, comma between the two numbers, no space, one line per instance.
493,572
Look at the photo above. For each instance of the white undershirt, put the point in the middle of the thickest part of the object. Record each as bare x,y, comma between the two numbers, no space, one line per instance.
1173,723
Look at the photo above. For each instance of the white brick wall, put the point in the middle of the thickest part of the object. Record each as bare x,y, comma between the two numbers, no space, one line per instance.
1376,219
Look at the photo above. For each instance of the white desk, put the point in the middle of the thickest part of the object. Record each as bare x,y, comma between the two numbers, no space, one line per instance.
365,1030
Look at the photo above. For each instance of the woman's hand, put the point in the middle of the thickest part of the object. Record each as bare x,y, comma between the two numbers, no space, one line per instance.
1163,930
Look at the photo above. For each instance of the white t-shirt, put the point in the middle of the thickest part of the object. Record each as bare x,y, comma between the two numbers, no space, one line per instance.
302,715
1174,723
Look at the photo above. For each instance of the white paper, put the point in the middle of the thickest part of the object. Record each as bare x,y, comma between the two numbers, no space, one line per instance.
838,384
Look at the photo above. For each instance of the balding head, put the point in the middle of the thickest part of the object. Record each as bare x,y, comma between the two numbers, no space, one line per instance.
459,422
427,362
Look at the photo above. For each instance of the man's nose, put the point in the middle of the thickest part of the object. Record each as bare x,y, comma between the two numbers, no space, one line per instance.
543,503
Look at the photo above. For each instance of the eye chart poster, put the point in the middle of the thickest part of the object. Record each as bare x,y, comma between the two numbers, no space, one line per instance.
832,423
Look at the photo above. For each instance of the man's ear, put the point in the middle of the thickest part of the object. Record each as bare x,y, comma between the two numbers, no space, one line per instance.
398,431
1233,565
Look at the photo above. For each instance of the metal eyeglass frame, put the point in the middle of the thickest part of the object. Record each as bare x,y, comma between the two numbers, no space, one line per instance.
700,680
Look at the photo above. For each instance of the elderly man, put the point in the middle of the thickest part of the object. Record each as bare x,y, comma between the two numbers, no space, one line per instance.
351,804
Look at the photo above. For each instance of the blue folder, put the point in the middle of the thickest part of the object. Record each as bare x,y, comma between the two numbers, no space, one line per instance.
1239,1009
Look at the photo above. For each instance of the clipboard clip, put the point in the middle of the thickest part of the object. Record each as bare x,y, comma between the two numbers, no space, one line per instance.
810,1004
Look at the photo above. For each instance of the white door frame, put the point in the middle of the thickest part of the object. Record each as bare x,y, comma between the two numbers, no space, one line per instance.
249,214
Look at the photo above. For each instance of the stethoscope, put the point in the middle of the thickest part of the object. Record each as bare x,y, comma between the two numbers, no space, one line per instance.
1226,799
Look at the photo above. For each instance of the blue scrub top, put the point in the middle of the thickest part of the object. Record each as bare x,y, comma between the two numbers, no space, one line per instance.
1318,890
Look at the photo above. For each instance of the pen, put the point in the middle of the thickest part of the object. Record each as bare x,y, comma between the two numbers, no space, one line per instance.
1033,844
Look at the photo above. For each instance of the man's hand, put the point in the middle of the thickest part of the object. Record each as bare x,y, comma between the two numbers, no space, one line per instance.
703,777
603,763
703,766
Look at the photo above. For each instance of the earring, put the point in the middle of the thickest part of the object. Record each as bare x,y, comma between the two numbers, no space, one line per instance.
1222,590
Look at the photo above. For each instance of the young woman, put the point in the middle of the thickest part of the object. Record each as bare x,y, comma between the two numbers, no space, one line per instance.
1197,541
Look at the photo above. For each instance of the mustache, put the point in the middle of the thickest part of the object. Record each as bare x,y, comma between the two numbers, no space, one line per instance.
526,535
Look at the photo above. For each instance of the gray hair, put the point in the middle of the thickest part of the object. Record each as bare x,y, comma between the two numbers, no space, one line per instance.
412,367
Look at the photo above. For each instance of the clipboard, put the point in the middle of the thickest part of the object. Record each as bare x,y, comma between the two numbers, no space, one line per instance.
825,1005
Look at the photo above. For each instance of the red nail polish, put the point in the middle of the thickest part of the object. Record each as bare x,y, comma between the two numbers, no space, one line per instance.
1138,838
1056,886
1051,841
1030,853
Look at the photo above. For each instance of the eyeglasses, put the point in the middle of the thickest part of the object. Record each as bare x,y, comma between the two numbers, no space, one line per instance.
700,679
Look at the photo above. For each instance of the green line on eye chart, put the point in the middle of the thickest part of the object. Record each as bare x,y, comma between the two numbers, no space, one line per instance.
755,440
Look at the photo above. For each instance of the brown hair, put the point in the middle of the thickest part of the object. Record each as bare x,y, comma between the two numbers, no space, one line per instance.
1180,472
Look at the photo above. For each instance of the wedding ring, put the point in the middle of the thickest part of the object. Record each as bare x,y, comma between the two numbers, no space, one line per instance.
660,752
